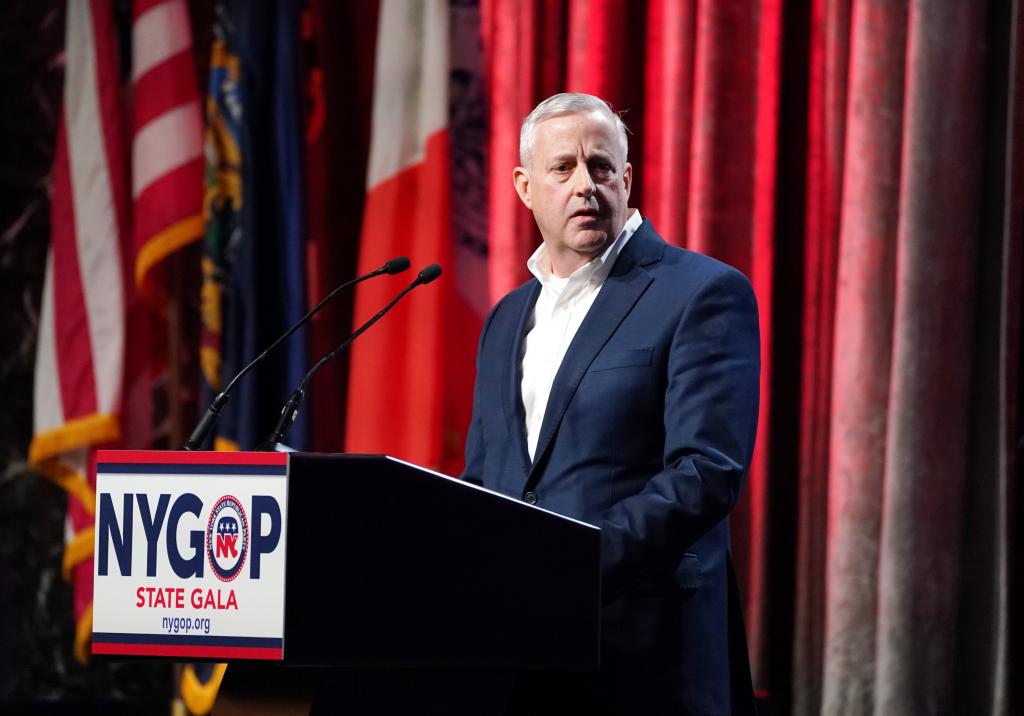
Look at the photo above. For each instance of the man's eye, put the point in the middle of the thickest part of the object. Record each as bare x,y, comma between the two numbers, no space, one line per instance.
561,167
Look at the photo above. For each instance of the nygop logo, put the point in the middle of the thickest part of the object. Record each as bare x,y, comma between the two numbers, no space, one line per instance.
227,541
227,538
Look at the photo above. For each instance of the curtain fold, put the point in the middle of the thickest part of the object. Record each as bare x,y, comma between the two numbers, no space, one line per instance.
862,352
984,619
826,126
668,116
928,418
523,63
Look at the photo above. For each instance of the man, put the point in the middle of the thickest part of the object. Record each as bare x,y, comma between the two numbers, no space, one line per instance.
620,387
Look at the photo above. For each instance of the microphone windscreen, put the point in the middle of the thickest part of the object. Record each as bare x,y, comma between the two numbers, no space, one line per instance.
397,265
429,273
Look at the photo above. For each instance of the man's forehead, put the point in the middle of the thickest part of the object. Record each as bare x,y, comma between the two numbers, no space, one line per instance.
563,133
569,121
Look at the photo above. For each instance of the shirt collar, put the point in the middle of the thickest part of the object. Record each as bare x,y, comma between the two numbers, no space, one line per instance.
596,269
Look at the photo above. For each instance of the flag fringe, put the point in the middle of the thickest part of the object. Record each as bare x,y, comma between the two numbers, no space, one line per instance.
225,445
161,245
83,636
199,697
79,549
70,480
73,434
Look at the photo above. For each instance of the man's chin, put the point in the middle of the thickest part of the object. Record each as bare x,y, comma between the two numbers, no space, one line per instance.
590,241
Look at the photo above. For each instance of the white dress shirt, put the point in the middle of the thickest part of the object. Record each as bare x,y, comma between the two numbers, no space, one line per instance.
562,305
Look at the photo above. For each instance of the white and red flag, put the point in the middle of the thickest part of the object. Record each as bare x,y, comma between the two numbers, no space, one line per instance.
80,350
411,375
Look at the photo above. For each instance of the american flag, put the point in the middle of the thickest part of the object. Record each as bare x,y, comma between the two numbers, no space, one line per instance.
81,382
167,141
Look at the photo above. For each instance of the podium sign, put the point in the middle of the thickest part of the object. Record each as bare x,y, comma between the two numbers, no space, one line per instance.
189,557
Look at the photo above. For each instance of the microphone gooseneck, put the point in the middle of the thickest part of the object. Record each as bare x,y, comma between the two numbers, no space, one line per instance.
290,410
217,405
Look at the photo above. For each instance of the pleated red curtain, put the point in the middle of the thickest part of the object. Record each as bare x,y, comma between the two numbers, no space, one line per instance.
698,85
857,161
890,446
828,40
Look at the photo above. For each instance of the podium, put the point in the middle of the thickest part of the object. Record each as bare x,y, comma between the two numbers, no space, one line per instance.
382,564
422,569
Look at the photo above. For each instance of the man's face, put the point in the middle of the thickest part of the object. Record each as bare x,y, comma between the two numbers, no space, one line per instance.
577,187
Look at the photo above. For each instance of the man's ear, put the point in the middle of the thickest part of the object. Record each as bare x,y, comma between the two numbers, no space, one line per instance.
521,179
627,177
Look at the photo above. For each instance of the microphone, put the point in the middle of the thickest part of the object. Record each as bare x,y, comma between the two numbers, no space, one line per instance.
213,412
290,410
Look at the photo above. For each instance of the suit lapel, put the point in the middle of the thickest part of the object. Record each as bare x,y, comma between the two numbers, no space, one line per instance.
512,394
623,287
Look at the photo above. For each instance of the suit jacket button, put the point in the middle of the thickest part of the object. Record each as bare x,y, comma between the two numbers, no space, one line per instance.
531,498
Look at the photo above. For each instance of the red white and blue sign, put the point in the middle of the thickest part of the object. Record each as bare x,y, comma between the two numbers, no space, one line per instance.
190,554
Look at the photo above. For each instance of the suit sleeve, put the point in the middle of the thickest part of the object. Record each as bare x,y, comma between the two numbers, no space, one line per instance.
711,404
475,451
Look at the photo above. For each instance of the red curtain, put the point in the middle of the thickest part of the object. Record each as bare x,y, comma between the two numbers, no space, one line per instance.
836,154
699,86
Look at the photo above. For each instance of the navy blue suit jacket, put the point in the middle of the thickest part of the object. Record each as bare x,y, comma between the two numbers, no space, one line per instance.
647,434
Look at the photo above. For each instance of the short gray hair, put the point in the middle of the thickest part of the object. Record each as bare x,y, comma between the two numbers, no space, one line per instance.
566,103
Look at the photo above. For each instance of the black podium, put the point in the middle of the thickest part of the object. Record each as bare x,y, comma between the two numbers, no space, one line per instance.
418,593
391,565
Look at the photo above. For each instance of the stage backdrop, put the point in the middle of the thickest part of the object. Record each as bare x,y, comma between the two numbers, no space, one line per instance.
859,161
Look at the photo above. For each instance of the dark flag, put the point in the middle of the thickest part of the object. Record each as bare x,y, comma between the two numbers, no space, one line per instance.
253,268
255,258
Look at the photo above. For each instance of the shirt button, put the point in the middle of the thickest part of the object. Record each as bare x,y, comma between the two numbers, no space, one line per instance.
531,498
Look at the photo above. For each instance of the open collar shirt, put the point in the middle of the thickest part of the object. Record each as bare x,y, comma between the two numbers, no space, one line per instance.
562,305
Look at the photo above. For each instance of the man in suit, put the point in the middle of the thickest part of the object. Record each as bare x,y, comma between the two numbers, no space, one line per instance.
620,387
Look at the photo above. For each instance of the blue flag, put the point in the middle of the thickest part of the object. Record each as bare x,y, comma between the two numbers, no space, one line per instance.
262,262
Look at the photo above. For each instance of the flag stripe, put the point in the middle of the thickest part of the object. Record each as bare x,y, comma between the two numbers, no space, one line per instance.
96,228
48,410
171,198
141,7
73,341
166,86
165,144
159,33
109,100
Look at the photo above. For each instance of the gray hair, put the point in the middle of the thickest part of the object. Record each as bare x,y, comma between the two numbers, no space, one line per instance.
566,103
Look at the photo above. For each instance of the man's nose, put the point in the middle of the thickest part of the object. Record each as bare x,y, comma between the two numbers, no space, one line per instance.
585,185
